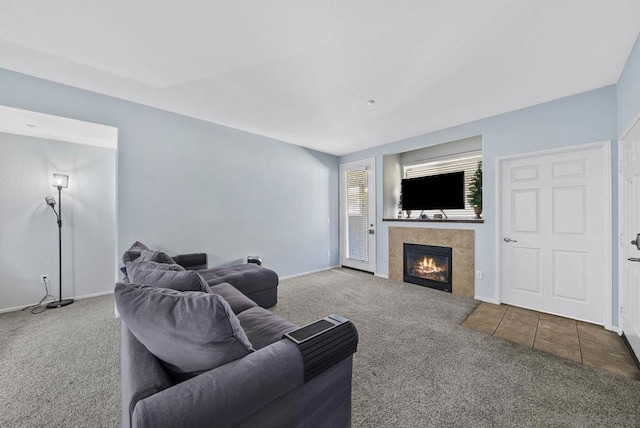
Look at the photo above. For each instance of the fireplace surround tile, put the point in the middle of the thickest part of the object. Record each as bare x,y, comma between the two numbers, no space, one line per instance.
444,237
421,235
463,268
461,241
395,244
395,265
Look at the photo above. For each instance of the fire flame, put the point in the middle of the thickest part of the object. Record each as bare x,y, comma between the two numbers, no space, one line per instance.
428,265
430,268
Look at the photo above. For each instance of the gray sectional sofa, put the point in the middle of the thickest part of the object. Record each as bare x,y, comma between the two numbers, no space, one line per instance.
196,354
256,282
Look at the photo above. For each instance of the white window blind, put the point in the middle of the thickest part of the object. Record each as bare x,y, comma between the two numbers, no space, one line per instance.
357,216
467,162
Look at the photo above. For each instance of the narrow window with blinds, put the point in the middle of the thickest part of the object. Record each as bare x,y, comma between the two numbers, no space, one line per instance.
357,215
467,162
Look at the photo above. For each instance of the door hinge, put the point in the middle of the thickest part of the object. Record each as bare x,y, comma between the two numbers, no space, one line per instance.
621,316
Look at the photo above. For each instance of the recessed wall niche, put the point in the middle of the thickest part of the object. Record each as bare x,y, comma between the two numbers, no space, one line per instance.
392,167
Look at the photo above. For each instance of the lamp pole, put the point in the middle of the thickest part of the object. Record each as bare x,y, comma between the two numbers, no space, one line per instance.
60,243
60,303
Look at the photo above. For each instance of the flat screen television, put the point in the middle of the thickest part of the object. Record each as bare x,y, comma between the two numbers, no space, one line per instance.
434,192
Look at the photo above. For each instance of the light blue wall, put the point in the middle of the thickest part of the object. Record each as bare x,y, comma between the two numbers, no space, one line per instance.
584,118
187,185
628,89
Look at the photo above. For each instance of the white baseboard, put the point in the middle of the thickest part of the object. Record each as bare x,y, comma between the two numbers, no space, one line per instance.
487,299
309,272
382,275
87,296
84,296
14,308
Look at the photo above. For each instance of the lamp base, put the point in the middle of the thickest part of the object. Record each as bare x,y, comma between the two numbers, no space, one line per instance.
59,303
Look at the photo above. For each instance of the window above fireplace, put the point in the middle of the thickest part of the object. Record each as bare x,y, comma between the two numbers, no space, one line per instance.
465,162
459,155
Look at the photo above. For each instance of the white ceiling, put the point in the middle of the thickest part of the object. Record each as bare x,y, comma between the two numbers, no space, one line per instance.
40,125
302,71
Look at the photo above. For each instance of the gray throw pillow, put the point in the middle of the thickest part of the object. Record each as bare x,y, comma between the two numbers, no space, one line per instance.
190,332
155,256
152,266
133,252
176,280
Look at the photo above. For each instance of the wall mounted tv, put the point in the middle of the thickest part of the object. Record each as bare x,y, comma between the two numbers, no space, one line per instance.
434,192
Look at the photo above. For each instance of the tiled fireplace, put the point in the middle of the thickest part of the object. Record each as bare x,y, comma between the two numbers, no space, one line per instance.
459,263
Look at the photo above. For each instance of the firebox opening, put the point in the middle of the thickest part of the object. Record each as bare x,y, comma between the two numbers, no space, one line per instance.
428,266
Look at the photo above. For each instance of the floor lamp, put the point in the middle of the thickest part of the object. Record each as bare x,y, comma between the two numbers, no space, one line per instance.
61,181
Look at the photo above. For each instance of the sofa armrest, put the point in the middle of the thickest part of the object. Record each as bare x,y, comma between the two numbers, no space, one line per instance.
324,343
193,261
142,374
227,394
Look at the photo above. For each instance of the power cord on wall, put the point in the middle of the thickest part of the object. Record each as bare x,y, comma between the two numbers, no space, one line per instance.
40,306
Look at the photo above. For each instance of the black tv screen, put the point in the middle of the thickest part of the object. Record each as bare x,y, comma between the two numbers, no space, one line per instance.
435,192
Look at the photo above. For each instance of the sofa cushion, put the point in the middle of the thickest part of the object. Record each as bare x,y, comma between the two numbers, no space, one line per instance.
263,327
248,278
238,301
152,266
133,252
175,280
156,256
190,332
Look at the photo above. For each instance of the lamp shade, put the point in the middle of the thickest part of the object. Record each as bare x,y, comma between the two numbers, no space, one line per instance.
60,180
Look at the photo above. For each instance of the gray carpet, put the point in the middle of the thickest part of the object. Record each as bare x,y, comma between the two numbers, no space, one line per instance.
61,368
415,367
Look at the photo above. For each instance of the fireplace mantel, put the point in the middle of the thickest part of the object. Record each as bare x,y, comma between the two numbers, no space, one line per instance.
436,220
461,241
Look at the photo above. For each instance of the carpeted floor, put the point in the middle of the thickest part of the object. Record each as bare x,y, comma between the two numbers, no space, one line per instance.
61,368
415,367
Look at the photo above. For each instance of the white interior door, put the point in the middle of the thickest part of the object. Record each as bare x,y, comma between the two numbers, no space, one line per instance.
630,227
357,215
555,232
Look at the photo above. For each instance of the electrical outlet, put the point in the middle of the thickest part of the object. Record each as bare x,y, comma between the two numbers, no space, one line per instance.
328,253
44,278
478,274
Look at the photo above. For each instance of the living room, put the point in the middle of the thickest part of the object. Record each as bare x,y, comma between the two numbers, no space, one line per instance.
183,173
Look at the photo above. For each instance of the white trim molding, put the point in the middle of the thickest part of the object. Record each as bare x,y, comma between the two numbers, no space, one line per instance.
629,127
84,296
487,299
370,165
605,147
295,275
619,238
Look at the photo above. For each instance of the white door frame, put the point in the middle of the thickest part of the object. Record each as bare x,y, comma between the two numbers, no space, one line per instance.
621,286
373,204
605,147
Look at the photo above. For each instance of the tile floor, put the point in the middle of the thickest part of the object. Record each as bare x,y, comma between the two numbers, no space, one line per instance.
576,340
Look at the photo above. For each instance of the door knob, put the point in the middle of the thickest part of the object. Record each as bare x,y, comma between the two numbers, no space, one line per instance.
371,231
509,240
633,259
636,241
